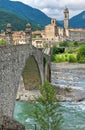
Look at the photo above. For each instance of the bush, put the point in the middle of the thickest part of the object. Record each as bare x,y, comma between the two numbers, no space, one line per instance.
68,89
75,43
58,58
47,113
81,54
55,50
2,42
81,60
63,44
72,59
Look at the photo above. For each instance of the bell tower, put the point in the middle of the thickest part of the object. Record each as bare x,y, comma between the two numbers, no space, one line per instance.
53,21
66,18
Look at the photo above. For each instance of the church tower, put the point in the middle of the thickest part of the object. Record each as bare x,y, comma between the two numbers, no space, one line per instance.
66,18
53,21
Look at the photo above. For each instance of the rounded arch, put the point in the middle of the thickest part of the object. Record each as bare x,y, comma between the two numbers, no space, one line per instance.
31,74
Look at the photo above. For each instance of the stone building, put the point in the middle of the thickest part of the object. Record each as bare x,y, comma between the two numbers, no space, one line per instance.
51,30
54,33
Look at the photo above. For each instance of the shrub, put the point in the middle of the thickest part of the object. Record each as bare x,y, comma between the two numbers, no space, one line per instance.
58,58
55,50
81,54
72,59
75,43
68,89
53,58
63,44
2,42
81,60
47,113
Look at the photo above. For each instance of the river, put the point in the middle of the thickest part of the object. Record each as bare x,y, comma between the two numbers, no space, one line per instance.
73,112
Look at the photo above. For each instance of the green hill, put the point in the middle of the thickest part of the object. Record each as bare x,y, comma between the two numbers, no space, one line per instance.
78,21
26,12
17,22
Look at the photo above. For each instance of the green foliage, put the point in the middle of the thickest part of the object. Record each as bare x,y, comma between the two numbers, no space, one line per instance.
47,113
33,35
64,58
76,43
63,44
81,54
25,12
73,44
2,42
72,59
17,22
68,89
55,50
46,45
58,58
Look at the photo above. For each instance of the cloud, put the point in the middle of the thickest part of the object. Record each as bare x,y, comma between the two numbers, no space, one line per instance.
54,8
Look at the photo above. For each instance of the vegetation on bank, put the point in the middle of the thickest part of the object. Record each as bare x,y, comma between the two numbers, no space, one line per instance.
73,52
47,109
2,42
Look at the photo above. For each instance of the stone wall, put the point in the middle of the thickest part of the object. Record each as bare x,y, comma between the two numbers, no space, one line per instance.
10,124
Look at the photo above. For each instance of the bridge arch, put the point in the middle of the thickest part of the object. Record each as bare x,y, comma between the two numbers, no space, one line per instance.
12,62
31,74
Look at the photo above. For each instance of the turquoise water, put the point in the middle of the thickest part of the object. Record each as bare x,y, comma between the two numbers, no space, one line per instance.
73,115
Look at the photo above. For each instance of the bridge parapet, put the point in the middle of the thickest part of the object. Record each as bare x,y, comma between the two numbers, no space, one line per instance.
9,35
28,34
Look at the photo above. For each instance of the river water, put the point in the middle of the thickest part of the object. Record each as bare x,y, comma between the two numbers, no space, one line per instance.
73,112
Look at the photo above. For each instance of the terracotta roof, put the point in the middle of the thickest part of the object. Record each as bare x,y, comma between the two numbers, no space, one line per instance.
37,32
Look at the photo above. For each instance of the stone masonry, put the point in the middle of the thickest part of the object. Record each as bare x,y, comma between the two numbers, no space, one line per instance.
12,63
10,124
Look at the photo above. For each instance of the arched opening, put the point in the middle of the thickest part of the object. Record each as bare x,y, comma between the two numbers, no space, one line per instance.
31,74
29,80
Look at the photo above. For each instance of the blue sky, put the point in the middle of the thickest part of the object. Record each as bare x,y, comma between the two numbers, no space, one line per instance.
54,8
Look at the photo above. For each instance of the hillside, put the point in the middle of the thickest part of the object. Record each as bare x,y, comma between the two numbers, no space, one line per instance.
78,21
17,22
24,11
37,18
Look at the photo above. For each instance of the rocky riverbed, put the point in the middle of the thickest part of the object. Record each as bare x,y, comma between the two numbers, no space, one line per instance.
68,80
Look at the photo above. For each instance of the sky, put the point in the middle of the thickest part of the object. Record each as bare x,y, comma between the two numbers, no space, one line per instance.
54,8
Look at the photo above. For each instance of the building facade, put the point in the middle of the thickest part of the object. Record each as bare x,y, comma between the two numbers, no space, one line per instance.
58,34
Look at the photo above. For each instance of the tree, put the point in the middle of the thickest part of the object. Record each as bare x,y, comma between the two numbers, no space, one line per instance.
46,112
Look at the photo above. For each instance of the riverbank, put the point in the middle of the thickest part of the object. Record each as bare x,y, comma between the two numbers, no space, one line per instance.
69,80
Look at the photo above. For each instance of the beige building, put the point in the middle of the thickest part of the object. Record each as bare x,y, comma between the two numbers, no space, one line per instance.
57,34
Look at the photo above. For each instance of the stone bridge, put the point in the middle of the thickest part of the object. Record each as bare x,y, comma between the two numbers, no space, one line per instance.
13,59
